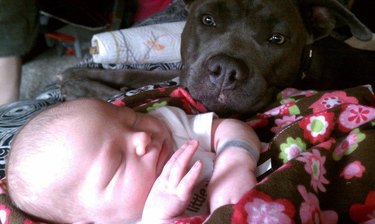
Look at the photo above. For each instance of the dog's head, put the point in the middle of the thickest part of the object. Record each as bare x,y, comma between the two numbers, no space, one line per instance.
238,54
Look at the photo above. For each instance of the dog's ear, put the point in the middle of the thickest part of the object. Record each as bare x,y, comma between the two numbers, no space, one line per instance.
322,16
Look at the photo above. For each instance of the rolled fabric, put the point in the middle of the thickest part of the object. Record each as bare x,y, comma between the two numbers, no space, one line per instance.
139,45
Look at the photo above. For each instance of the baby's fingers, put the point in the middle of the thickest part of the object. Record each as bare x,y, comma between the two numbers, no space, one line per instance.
186,185
181,163
169,165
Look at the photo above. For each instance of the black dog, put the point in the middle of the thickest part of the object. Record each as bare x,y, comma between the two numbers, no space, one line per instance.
238,54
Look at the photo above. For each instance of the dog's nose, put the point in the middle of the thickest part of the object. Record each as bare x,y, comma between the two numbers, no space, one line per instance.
226,71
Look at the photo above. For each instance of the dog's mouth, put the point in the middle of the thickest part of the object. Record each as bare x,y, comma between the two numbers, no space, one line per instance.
234,101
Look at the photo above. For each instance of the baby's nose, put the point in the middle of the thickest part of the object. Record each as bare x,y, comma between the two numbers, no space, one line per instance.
142,141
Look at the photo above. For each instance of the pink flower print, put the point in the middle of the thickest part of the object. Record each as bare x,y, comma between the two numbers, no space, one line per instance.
190,220
283,122
288,92
355,115
349,144
119,103
260,211
332,99
4,214
28,221
364,213
273,112
188,100
359,115
314,165
354,169
310,211
327,144
287,100
291,148
291,92
258,207
258,123
289,108
330,102
317,127
162,89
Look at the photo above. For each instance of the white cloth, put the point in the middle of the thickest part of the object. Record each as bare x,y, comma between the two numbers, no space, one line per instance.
199,127
145,44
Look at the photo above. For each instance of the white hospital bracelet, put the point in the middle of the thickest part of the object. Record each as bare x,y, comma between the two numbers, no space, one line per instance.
254,154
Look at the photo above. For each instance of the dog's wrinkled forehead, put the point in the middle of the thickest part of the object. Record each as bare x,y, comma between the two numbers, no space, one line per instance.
243,7
255,17
254,12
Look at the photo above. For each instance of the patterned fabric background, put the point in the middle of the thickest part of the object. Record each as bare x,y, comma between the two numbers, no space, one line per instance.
14,115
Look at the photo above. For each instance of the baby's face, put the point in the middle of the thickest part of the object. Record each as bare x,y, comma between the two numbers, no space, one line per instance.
115,156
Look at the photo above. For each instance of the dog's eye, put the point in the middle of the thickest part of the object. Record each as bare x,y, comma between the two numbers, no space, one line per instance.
277,39
208,20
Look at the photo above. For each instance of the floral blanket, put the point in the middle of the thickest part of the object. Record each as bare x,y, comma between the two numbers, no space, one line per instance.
321,148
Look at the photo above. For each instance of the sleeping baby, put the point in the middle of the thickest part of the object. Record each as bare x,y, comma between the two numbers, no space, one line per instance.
88,161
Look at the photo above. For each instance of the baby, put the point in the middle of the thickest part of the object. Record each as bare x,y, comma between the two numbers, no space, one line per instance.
88,161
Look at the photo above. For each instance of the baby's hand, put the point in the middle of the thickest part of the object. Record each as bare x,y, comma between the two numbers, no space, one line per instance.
172,190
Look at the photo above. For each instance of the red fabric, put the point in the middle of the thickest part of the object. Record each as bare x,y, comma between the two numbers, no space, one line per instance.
147,8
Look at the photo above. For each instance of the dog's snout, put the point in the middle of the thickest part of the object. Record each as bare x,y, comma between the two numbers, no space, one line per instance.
226,71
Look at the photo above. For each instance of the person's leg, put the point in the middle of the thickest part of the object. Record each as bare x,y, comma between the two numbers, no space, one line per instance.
10,77
19,21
